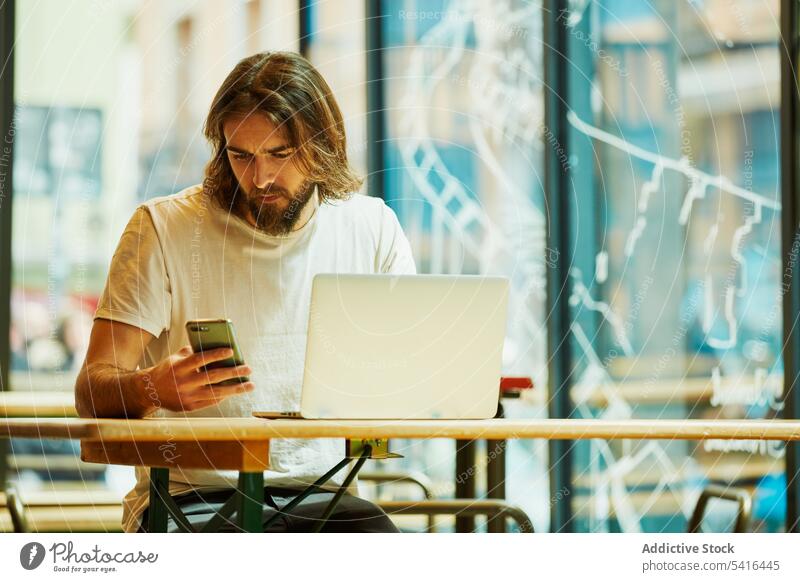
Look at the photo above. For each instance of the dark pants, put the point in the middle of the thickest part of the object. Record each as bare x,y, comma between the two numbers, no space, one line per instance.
352,514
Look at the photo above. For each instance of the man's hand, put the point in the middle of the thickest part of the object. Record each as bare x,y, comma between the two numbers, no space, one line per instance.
177,383
109,384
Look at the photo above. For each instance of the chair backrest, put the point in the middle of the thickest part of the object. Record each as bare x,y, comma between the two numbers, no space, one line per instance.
740,496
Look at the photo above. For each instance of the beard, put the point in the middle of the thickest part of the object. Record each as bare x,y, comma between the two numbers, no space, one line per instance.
275,218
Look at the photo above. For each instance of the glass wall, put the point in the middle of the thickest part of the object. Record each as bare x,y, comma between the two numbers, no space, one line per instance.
674,117
104,119
676,283
336,47
464,152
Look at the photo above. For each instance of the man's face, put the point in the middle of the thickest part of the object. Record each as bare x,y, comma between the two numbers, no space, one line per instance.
262,159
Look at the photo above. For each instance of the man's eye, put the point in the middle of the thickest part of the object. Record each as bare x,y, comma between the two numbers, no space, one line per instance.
282,155
240,156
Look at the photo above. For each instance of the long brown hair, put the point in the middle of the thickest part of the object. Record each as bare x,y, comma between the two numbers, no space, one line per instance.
294,96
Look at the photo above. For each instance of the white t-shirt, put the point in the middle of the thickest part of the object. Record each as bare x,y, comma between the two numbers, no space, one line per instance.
181,257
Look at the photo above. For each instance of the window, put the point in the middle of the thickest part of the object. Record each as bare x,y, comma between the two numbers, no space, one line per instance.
463,157
102,124
336,47
674,117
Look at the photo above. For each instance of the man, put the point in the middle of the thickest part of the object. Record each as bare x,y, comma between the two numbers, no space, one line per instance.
275,208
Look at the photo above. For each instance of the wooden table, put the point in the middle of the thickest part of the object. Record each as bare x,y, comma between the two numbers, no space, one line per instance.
17,403
242,444
38,403
257,429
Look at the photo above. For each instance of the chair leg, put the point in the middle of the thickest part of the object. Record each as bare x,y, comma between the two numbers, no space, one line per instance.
461,507
17,510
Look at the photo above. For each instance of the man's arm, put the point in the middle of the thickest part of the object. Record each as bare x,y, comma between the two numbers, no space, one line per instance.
110,386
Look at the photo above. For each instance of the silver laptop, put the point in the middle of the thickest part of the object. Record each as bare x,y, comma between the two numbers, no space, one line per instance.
403,347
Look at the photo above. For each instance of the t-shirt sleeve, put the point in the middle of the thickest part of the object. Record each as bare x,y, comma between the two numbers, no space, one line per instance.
394,250
137,290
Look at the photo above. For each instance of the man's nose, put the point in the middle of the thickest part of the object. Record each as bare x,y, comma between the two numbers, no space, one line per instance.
264,172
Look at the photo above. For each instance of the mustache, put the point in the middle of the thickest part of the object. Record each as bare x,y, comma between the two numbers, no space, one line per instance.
271,191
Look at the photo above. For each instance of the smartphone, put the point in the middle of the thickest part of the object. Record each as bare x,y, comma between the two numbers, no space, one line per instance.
209,334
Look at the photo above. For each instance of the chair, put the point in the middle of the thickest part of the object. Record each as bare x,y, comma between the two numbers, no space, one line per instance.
493,509
64,511
740,496
466,506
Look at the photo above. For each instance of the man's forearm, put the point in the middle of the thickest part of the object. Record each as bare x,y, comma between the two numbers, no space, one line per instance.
106,391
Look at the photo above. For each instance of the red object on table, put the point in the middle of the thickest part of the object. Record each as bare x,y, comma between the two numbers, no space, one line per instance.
512,386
